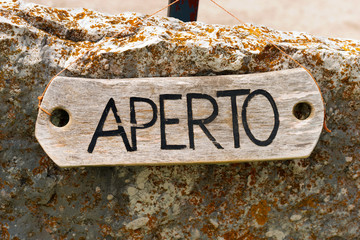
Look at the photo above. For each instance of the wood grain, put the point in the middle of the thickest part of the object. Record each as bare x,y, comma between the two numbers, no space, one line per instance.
192,110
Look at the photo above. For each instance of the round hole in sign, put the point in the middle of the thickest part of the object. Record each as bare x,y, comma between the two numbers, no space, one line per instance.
302,110
59,117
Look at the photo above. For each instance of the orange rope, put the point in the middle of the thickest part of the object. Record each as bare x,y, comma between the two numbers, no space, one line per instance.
40,98
282,51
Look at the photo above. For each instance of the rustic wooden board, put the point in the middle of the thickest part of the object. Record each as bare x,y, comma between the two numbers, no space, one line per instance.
180,120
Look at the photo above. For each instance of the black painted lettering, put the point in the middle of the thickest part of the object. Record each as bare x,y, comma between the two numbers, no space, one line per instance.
201,122
233,94
118,132
276,118
167,121
133,117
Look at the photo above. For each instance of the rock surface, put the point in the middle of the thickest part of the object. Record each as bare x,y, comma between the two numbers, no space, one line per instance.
314,198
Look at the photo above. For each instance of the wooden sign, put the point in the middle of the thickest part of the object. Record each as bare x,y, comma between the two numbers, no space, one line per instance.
180,120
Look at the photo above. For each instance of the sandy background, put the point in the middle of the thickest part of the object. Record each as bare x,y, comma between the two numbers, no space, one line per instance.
329,18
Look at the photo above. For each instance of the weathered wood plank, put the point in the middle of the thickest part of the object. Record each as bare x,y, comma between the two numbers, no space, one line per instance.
180,120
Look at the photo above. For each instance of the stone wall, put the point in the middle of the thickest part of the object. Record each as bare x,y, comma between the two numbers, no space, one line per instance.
314,198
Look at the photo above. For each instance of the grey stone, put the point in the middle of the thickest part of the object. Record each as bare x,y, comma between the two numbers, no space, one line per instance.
39,200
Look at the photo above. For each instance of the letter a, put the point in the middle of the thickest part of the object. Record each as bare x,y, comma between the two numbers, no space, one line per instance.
118,132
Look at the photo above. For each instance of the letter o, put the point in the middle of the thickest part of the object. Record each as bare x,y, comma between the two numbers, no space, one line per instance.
276,118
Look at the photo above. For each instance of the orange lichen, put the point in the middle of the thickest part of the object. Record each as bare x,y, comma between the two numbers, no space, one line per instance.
210,208
52,222
61,14
5,235
209,230
105,230
260,212
44,164
80,16
317,59
152,221
309,201
226,198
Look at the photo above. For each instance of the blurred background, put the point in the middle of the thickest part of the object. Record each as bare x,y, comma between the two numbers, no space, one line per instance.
328,18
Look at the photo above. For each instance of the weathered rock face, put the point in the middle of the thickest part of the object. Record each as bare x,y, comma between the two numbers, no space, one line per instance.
314,198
